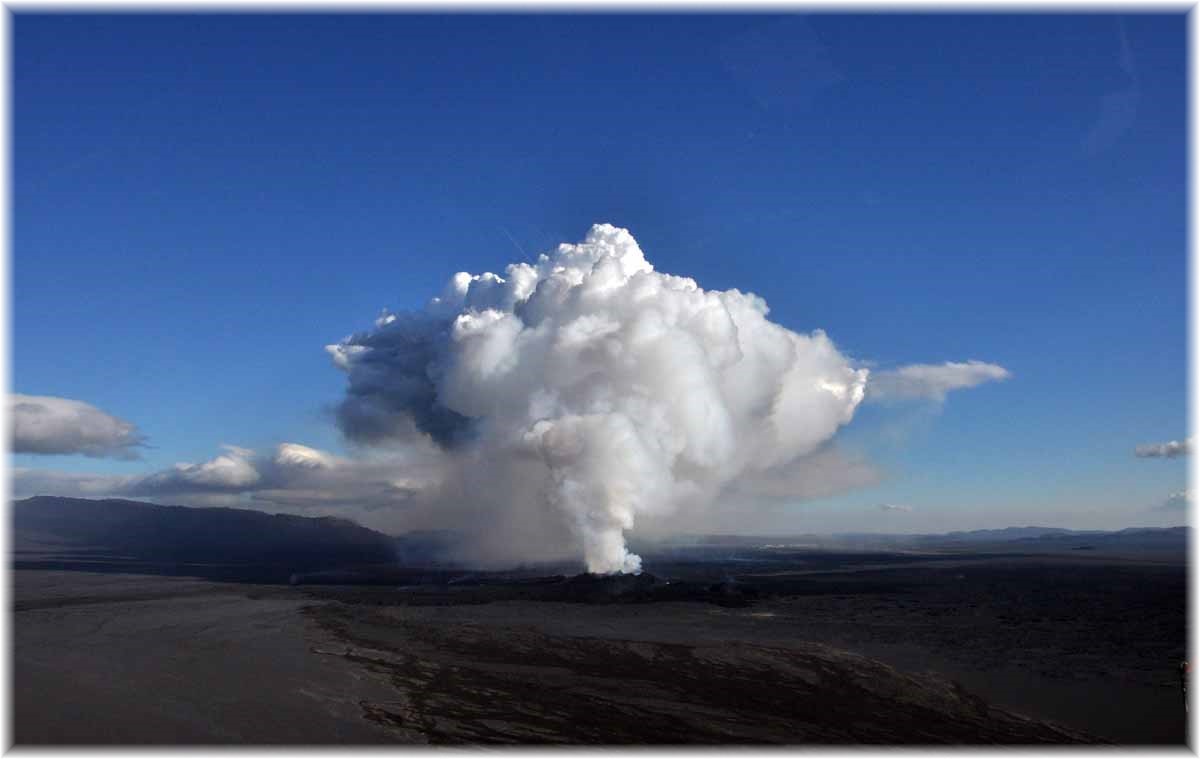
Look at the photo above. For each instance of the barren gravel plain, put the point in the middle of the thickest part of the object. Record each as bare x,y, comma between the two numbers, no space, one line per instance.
990,650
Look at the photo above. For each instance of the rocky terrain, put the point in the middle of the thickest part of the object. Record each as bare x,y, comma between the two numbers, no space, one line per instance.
732,643
466,682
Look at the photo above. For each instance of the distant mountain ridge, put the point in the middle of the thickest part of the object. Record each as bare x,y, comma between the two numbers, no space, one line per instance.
1009,537
148,532
151,532
1007,533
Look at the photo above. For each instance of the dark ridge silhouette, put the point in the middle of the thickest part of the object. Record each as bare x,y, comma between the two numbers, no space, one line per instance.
121,535
1008,539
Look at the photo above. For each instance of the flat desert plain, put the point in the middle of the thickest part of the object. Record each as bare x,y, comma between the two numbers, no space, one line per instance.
1010,650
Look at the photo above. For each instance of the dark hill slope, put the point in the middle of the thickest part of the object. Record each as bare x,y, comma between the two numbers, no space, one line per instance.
150,532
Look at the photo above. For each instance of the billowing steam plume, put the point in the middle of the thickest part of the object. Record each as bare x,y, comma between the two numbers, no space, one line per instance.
633,392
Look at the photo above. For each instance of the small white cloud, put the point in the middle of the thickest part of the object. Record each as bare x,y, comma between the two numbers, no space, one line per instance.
1169,450
303,457
895,507
232,471
1180,500
49,425
932,381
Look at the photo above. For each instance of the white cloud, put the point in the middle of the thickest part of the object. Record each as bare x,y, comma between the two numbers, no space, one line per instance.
303,457
895,507
1169,450
232,471
932,381
48,425
1180,500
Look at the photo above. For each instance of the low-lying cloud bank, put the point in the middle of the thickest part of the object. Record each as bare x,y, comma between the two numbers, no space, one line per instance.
291,478
45,424
1169,450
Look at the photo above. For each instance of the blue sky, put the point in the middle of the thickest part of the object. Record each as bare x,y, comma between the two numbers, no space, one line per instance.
201,203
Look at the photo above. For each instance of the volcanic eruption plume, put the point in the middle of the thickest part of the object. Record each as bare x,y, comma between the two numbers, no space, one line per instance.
627,391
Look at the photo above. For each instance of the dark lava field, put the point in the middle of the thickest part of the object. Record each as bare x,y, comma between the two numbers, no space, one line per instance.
709,645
